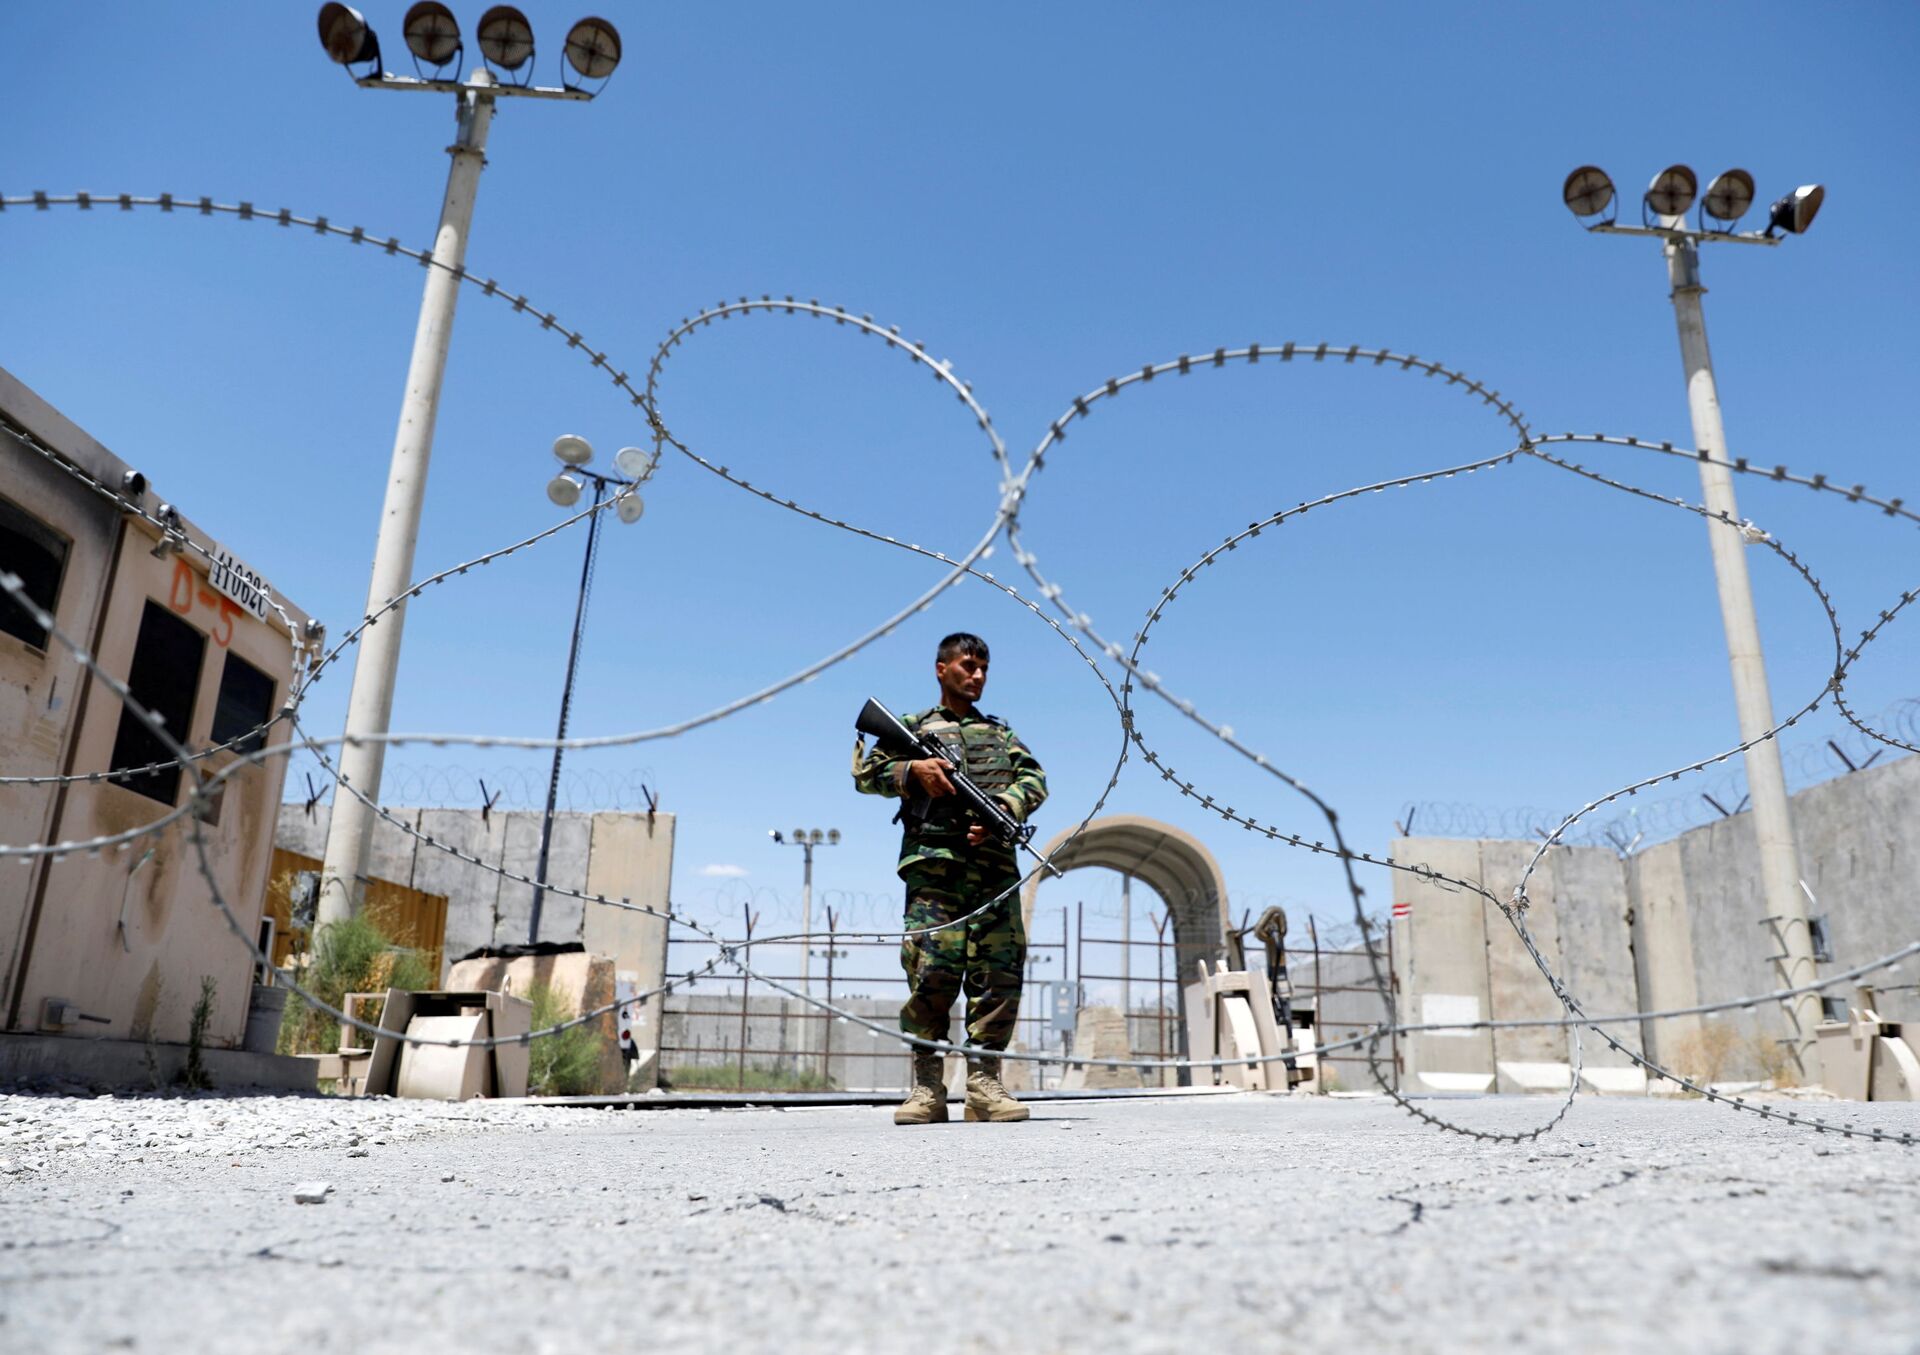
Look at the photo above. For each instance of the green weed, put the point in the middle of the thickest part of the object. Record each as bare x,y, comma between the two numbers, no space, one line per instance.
566,1063
352,956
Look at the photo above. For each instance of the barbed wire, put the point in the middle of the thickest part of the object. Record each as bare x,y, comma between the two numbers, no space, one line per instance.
461,786
1653,821
1014,488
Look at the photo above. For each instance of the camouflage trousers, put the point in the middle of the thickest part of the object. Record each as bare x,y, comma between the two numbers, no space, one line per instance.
984,957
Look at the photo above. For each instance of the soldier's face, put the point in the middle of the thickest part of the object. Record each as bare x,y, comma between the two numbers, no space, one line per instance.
963,676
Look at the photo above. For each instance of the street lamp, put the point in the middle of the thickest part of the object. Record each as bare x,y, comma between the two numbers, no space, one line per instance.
633,468
1588,193
433,39
806,839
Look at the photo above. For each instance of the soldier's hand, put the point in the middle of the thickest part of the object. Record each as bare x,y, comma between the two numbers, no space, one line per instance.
976,834
931,774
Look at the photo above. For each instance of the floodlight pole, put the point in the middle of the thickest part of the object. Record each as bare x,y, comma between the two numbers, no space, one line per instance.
1766,782
806,923
806,840
370,704
600,483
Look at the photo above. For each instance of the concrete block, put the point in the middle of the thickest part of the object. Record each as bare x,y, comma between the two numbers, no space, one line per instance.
632,859
1896,1070
560,915
1662,934
472,892
1517,989
1100,1033
1628,1081
296,832
1846,1057
580,981
1440,951
1593,910
1534,1077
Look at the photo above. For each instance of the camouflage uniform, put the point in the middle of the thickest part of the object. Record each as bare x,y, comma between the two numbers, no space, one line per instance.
947,879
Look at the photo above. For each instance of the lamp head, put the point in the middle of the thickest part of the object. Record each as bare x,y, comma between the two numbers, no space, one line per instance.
629,507
564,490
506,38
833,837
1795,212
1588,191
1672,191
573,449
345,35
593,48
1728,197
774,833
432,33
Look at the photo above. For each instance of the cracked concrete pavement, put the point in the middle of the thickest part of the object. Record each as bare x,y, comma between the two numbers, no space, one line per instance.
1198,1222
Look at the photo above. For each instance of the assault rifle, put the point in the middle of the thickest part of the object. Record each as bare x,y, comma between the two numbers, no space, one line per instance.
886,729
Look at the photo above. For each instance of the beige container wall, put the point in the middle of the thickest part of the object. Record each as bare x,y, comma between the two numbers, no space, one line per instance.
39,690
132,948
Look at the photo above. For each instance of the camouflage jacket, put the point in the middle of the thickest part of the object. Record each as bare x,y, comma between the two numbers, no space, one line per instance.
997,761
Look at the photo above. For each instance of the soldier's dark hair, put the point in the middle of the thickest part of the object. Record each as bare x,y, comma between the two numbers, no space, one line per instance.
961,642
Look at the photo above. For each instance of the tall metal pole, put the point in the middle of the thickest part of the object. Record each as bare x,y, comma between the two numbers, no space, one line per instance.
1766,782
1126,954
806,921
370,705
566,707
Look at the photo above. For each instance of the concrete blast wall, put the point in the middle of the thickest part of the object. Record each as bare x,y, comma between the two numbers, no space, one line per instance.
1458,958
1700,916
619,855
1681,923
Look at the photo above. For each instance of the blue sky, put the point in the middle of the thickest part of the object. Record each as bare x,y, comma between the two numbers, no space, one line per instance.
1048,195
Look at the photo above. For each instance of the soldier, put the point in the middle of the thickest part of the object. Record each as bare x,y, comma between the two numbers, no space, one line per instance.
952,867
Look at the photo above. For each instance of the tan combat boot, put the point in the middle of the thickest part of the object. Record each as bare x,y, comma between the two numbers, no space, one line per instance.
927,1102
986,1098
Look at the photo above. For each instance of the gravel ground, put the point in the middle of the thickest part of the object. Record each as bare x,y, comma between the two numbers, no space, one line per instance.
1195,1223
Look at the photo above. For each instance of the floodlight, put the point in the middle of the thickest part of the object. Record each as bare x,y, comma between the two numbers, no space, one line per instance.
833,837
1588,191
632,463
572,449
506,38
1672,191
629,506
593,48
1795,212
815,836
774,833
799,835
1729,196
432,33
345,35
564,490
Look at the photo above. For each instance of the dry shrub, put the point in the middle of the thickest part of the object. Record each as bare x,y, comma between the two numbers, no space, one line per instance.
1703,1055
1773,1060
